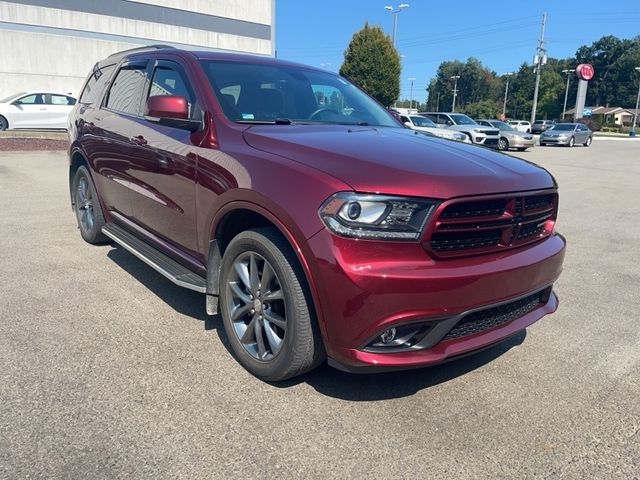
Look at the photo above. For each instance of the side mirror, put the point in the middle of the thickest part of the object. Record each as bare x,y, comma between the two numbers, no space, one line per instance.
170,110
408,124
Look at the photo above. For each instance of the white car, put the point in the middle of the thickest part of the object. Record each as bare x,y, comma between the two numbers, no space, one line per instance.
424,124
36,110
521,126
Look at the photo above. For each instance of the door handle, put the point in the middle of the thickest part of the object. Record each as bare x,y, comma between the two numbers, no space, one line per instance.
139,140
43,108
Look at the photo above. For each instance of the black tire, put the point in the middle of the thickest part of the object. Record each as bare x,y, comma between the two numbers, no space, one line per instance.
503,144
87,207
588,142
4,123
572,142
522,149
300,348
543,144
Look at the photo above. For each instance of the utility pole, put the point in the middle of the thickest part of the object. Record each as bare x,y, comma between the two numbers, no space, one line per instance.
566,93
455,92
412,79
506,92
539,59
635,114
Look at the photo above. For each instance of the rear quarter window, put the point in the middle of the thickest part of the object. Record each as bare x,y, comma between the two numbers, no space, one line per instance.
94,86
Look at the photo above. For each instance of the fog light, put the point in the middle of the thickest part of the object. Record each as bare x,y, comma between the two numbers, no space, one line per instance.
388,336
398,338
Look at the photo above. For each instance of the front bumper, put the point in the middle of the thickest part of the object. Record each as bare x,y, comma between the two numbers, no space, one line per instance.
486,140
555,140
519,142
365,287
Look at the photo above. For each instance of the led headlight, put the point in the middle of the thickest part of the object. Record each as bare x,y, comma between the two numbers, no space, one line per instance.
376,216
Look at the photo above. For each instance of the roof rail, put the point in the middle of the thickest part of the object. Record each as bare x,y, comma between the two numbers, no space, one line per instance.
145,47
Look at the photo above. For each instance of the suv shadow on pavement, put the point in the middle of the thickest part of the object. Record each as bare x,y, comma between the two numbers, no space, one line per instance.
389,385
325,380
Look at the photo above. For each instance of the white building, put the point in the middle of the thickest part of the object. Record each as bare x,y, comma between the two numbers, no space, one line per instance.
51,45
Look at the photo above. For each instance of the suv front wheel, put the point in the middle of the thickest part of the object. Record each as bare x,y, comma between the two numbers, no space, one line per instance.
266,310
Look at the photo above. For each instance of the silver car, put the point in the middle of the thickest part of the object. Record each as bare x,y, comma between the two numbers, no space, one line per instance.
567,134
509,137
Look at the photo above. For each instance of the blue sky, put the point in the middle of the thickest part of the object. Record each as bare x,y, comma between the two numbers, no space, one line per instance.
501,34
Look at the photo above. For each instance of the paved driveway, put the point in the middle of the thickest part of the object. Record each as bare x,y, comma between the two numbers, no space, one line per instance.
108,370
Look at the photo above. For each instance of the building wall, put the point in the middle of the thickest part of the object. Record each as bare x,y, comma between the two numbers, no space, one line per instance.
53,48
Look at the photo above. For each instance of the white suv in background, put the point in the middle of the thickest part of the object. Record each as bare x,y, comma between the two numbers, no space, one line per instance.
478,134
424,124
36,110
521,125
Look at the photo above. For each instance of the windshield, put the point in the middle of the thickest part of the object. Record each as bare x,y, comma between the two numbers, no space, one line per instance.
11,97
502,126
423,122
462,119
267,93
566,127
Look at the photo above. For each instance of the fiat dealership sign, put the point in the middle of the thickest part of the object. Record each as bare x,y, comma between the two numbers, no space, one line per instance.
585,71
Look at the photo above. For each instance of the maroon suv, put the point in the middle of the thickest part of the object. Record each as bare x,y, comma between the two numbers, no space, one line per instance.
315,223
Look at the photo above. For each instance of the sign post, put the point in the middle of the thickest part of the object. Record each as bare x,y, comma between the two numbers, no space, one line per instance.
584,72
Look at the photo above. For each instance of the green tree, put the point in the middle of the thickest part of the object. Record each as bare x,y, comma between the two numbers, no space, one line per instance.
372,63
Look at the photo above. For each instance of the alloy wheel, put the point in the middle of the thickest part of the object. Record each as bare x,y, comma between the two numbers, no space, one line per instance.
256,306
84,204
503,144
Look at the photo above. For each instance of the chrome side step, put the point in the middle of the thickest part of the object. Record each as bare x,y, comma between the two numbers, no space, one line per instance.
177,273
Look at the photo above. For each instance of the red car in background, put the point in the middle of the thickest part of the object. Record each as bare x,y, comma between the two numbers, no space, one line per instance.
317,226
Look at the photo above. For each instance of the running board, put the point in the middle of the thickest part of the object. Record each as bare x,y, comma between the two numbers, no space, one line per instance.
177,273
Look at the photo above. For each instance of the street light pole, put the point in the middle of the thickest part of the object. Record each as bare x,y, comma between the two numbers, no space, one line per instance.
412,79
395,13
635,114
506,92
455,92
539,60
566,93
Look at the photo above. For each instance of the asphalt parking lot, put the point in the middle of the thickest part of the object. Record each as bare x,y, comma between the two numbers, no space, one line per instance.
109,370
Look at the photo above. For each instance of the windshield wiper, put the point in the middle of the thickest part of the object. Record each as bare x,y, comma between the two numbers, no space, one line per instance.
277,121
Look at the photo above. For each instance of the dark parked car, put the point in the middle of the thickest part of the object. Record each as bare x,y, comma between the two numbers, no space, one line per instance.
567,134
540,126
313,221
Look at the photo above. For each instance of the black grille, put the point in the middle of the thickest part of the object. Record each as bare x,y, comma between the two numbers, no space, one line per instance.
468,227
474,209
492,317
538,201
530,230
443,242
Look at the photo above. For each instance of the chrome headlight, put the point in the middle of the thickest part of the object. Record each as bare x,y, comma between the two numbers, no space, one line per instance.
370,216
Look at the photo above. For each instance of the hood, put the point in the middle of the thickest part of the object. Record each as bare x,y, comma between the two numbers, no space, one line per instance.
399,161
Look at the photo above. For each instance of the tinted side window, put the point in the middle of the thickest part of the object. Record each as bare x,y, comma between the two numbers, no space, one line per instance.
125,94
62,100
432,116
36,98
95,84
404,119
168,81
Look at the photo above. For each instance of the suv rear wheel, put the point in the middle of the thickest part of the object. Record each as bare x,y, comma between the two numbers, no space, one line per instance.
266,311
87,207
